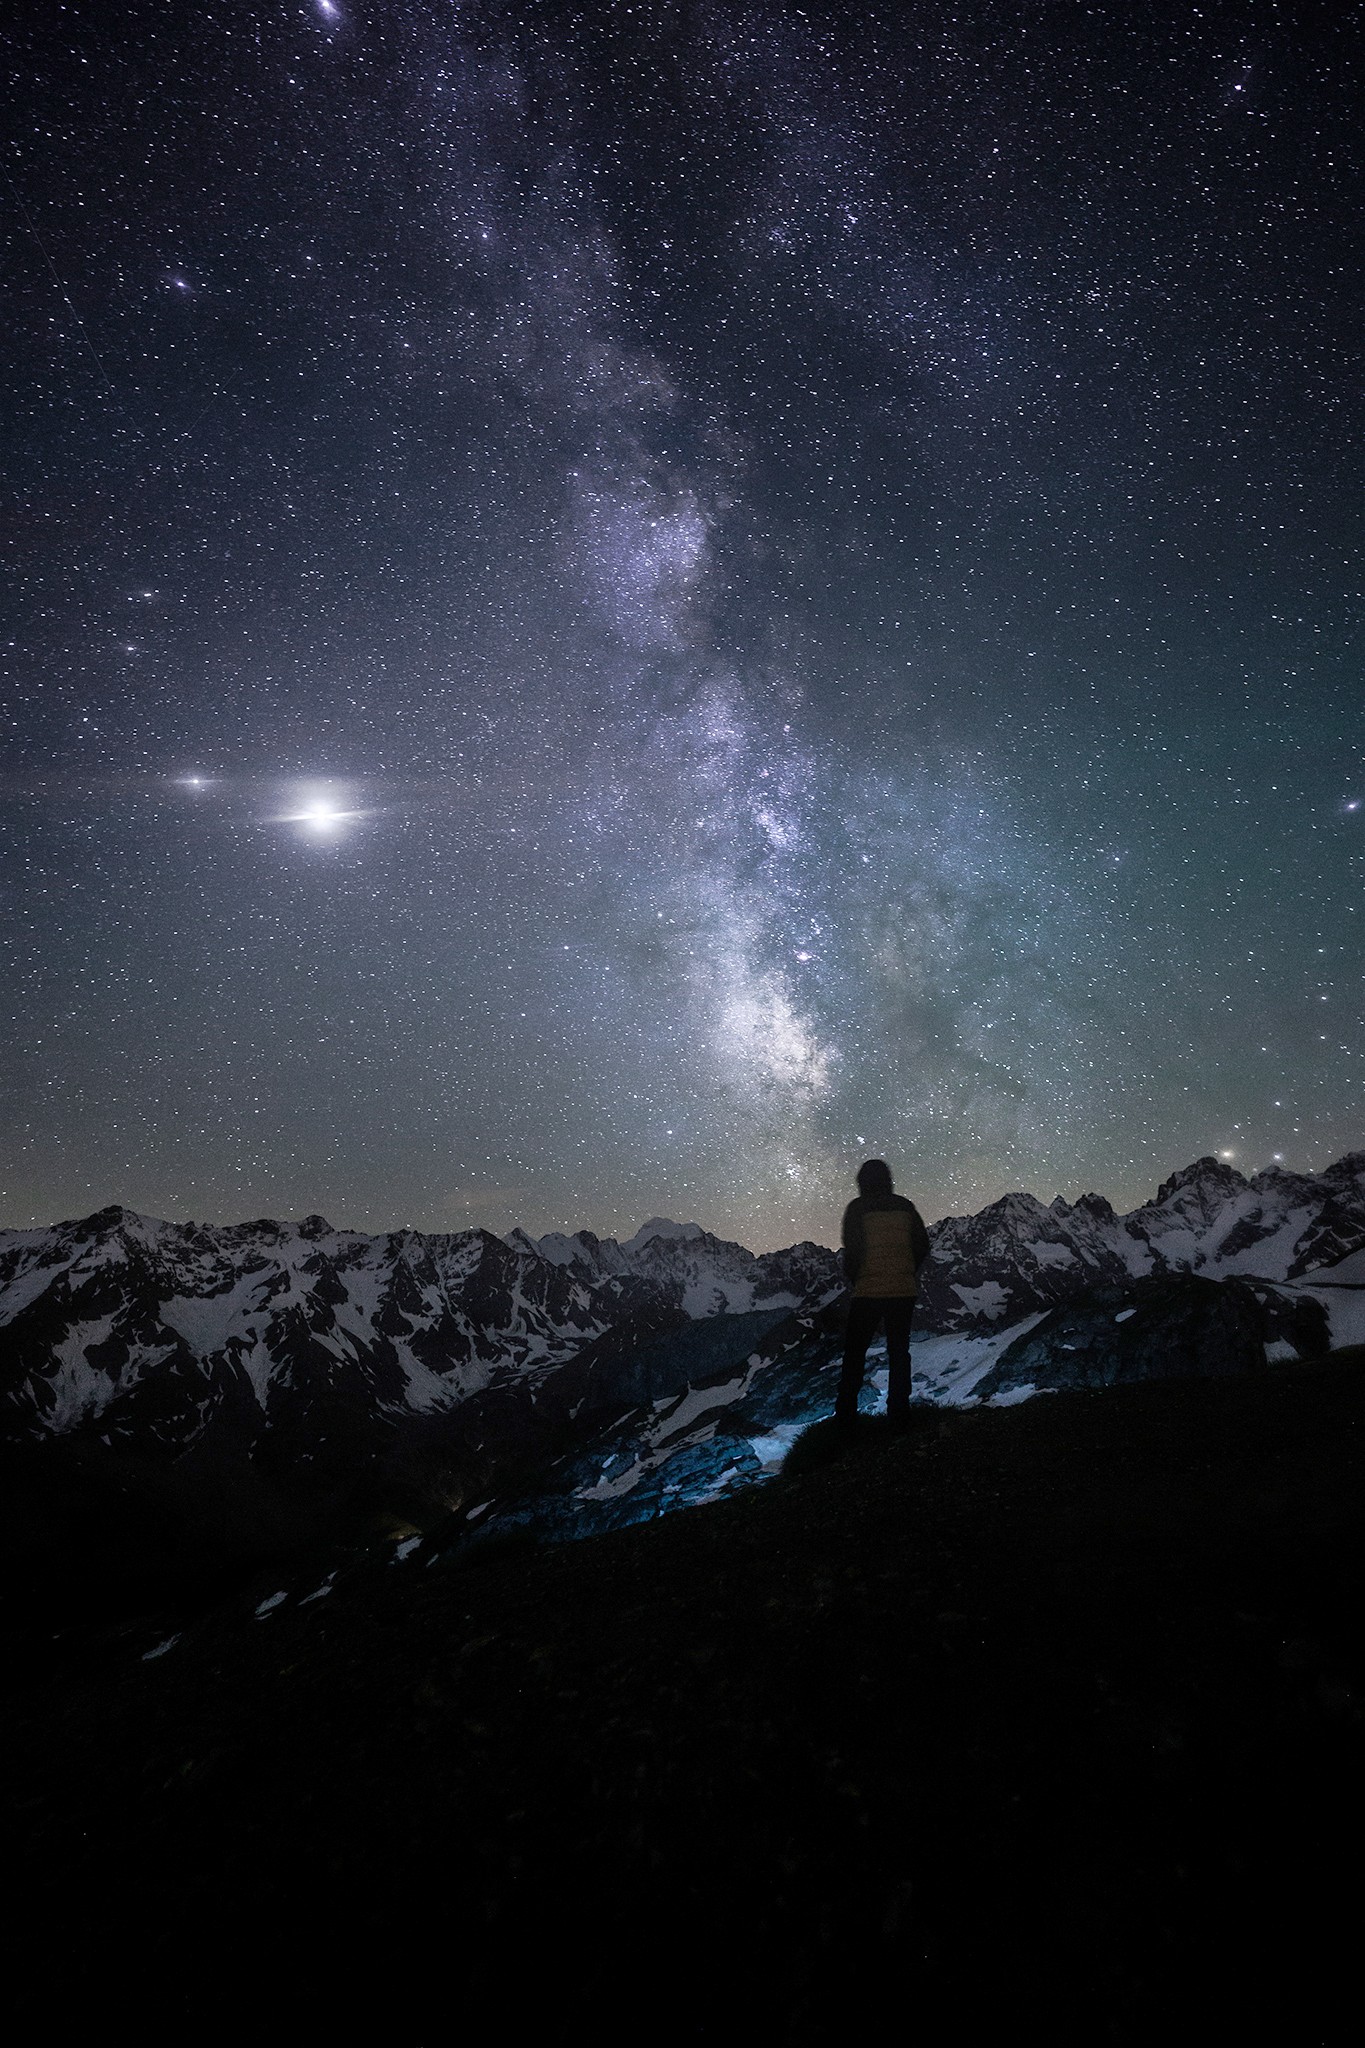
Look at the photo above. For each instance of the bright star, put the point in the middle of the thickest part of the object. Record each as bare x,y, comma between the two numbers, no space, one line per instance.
320,813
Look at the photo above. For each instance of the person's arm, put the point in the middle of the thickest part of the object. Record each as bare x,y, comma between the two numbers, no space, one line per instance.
854,1242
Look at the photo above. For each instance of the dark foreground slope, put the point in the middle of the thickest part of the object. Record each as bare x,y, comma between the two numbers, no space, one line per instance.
1045,1716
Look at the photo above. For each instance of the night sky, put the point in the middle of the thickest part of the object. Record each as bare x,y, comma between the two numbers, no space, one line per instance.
612,608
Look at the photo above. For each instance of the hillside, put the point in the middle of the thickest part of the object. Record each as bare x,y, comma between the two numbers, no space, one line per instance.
319,1348
180,1402
1044,1716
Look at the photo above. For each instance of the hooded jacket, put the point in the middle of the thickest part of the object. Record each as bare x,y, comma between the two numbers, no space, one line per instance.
885,1244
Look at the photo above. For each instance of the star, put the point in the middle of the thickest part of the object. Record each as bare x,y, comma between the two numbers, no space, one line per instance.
827,544
322,817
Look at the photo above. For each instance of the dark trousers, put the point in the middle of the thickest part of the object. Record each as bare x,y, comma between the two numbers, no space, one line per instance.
865,1313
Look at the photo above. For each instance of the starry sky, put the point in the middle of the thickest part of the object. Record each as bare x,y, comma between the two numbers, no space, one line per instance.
612,607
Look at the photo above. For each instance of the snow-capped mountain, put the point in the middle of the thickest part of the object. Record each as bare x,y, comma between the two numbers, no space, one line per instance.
629,1377
700,1274
152,1333
1020,1256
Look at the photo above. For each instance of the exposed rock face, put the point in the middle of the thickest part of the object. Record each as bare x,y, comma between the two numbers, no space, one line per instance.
1018,1256
125,1328
1172,1327
307,1346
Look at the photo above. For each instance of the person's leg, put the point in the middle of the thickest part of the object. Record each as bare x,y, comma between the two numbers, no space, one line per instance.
898,1314
863,1318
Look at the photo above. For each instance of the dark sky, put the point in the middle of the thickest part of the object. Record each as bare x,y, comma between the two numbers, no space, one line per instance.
610,608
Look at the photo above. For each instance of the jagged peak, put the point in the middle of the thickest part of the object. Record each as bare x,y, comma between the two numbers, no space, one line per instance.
1017,1203
1203,1172
661,1226
117,1216
1084,1205
1276,1176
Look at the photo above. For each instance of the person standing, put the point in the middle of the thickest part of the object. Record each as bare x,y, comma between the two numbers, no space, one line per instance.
885,1244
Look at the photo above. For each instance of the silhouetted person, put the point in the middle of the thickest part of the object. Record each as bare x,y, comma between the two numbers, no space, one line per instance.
885,1244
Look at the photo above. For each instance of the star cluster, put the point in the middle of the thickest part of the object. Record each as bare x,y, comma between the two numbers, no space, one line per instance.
612,607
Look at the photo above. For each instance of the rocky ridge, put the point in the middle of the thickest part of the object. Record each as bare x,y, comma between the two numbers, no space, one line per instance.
149,1333
572,1383
1020,1255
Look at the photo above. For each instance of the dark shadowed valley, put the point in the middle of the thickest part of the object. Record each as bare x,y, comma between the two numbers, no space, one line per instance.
1043,1717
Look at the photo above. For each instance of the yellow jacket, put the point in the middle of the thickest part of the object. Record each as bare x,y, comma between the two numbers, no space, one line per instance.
885,1244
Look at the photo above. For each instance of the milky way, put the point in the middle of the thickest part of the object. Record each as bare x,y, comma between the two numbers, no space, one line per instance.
612,608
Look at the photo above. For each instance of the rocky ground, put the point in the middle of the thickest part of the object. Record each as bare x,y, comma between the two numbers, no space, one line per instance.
1045,1717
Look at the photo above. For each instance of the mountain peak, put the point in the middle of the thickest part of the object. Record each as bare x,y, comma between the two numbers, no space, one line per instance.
1017,1205
108,1218
1206,1172
660,1226
558,1247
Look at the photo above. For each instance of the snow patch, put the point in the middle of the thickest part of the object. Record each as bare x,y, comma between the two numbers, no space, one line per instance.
948,1369
695,1403
27,1285
989,1299
1345,1308
1347,1272
259,1367
78,1388
206,1321
1049,1254
1271,1256
612,1489
771,1449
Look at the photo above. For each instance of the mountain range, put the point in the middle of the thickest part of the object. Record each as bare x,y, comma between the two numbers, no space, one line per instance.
607,1381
